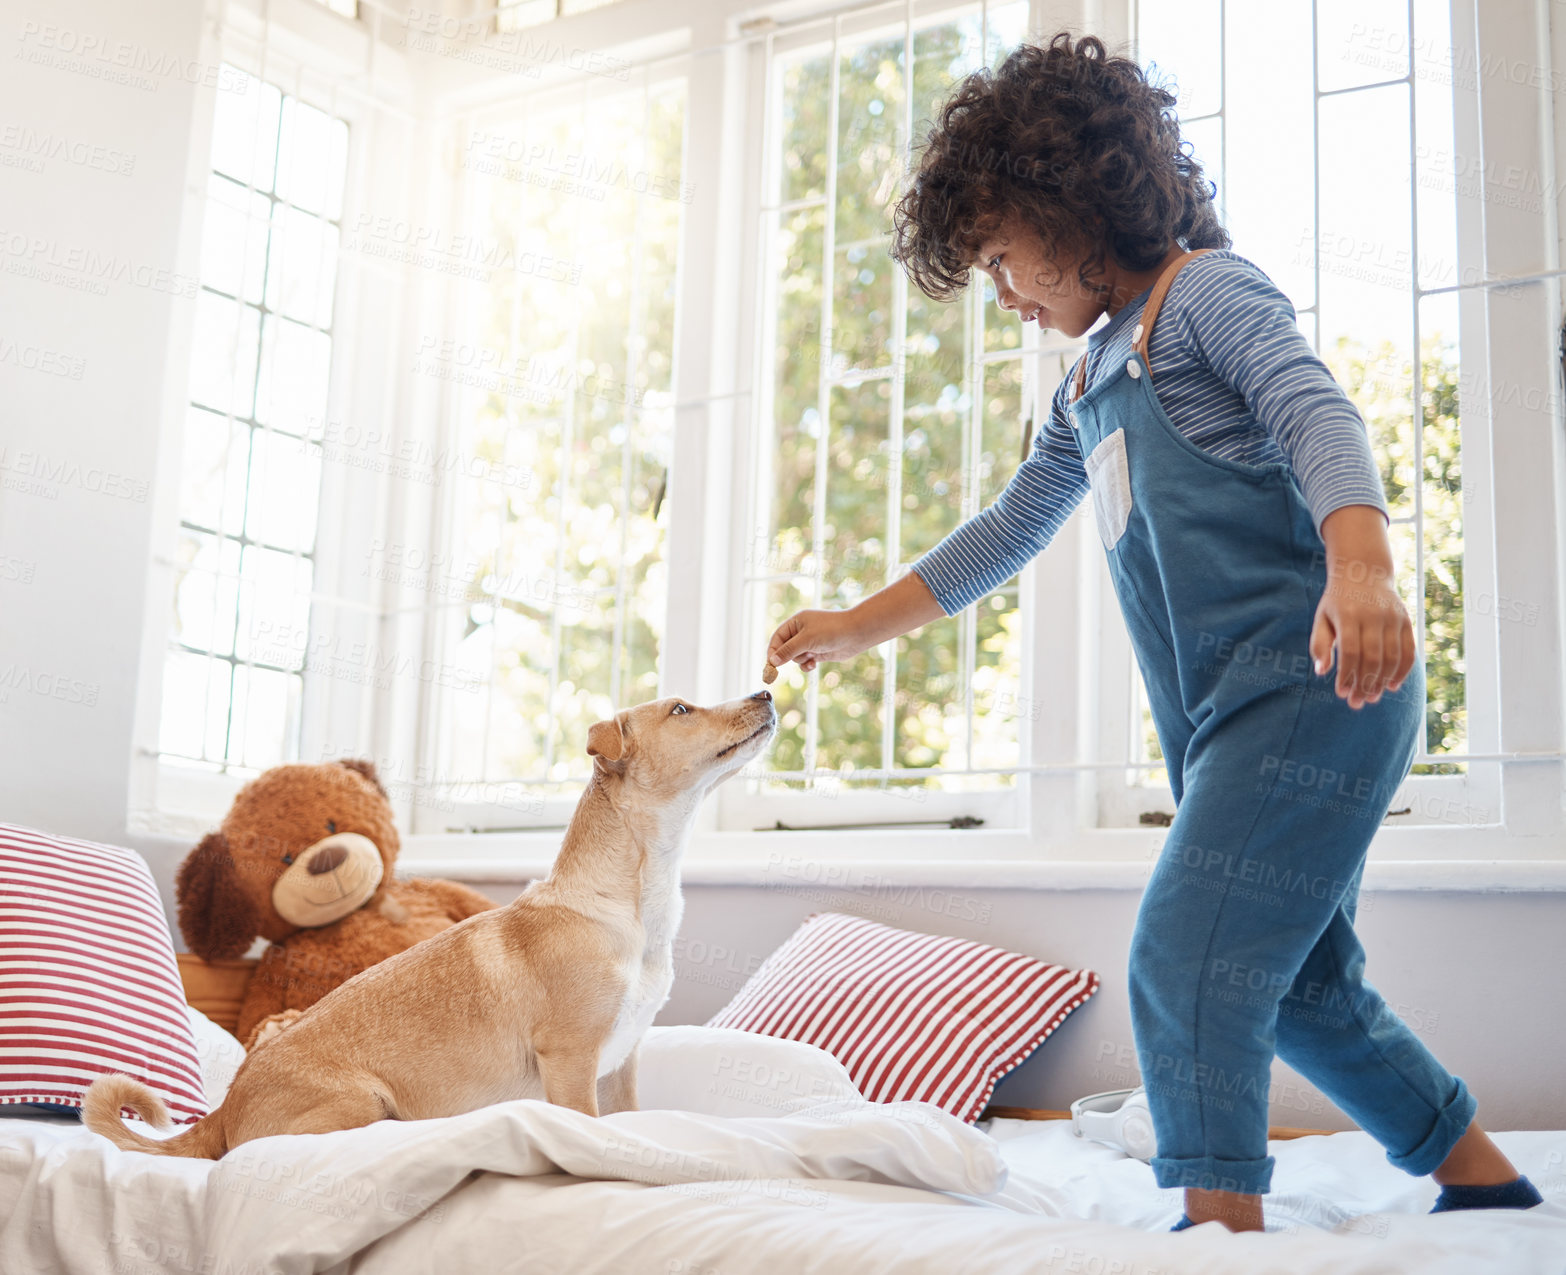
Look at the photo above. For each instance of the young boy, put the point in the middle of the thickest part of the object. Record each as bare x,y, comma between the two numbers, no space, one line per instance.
1245,528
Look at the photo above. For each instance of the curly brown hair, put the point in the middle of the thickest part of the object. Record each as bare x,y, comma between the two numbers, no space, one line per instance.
1082,146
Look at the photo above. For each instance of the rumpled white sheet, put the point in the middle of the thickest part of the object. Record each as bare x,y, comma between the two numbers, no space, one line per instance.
838,1188
308,1202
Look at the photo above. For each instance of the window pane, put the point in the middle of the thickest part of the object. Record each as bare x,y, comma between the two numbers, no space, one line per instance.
194,716
796,423
783,599
274,610
805,104
265,730
851,693
1183,43
1269,131
215,456
1446,496
312,159
1442,175
1361,42
936,363
285,491
1366,255
565,428
931,720
1372,174
206,592
295,366
223,354
237,599
244,130
302,267
869,139
1008,27
234,239
943,53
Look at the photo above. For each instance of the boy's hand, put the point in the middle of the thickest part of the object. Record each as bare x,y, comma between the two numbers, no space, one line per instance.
1361,614
808,637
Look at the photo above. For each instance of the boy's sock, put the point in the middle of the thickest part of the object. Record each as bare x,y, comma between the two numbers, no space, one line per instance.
1519,1193
1182,1223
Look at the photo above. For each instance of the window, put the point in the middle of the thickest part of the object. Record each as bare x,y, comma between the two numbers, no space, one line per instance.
234,671
883,420
642,380
548,606
1334,175
513,15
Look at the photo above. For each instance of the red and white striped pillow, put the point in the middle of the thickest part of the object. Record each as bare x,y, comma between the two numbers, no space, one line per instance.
913,1017
88,981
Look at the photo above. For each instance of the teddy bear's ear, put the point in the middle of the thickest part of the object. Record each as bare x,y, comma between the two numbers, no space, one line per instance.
365,768
216,915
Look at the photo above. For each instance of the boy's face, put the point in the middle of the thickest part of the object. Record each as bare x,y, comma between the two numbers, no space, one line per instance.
1038,288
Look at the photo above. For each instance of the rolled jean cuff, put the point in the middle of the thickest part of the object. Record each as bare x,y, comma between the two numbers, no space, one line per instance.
1451,1123
1208,1173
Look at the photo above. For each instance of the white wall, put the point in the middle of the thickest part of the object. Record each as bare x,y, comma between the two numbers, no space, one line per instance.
79,452
1476,971
1473,974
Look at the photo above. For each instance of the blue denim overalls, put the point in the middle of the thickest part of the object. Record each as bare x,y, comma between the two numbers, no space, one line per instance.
1244,943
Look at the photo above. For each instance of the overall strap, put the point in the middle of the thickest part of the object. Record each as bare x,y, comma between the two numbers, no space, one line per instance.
1142,334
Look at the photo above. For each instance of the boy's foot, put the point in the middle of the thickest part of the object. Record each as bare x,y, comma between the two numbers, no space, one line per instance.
1519,1193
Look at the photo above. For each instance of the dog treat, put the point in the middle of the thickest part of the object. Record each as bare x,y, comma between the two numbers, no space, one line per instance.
770,673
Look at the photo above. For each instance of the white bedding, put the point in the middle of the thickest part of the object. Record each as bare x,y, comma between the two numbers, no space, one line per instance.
827,1185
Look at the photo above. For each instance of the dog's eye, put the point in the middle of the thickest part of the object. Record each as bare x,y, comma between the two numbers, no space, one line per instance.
288,858
678,708
331,825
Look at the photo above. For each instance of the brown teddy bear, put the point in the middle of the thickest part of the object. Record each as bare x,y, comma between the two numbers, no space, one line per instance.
304,858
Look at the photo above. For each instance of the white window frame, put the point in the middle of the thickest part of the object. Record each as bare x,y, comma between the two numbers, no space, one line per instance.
1525,847
740,806
480,806
310,53
1471,798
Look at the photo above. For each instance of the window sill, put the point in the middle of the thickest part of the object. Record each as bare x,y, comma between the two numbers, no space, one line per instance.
1403,859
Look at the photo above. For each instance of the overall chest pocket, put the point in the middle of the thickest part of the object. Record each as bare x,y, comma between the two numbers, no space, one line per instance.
1111,483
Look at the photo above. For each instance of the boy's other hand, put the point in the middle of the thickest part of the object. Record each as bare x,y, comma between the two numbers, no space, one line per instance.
1360,613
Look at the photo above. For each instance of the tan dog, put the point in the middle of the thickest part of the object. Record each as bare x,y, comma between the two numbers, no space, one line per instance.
544,998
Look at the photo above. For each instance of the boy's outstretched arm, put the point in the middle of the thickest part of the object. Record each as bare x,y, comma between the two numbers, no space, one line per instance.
1360,612
808,637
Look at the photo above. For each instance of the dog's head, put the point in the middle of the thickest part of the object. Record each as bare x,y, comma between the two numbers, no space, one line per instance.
672,746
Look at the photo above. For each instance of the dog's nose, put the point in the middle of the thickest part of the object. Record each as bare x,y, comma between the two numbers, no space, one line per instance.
762,695
324,861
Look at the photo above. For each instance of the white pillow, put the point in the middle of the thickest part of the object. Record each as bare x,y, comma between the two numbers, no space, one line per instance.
219,1054
722,1071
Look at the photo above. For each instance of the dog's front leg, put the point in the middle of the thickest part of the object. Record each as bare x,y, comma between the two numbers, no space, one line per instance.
570,1079
617,1090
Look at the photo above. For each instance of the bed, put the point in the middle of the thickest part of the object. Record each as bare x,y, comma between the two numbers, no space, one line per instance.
773,1168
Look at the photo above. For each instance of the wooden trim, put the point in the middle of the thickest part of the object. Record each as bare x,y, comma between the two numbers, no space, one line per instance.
1043,1113
215,987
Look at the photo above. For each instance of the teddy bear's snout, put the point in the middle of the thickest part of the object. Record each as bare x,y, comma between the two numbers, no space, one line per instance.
327,858
328,880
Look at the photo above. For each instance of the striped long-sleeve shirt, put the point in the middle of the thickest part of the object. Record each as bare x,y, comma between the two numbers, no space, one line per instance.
1235,375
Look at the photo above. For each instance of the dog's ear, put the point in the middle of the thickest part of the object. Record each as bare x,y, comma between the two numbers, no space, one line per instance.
216,915
604,739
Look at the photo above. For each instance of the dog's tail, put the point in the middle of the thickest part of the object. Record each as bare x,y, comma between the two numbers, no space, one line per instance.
101,1113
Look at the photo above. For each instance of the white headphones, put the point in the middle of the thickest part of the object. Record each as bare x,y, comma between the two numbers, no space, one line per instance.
1119,1117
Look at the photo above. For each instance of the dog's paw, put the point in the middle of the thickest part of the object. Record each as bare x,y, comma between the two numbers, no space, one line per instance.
269,1027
